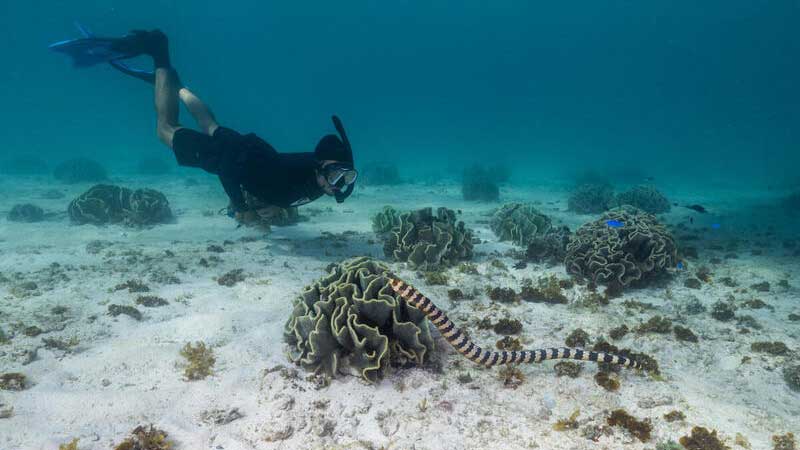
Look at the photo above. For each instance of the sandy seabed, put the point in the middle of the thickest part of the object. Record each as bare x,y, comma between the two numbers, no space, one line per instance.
111,374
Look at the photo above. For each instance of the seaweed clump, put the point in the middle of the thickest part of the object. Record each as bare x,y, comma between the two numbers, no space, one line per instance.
547,290
72,445
130,311
638,428
13,381
722,311
508,326
634,253
684,334
105,203
570,423
25,212
646,198
199,360
426,240
480,184
702,439
501,294
791,374
352,317
606,381
578,338
656,324
674,416
146,438
776,348
568,368
784,442
519,223
591,198
80,170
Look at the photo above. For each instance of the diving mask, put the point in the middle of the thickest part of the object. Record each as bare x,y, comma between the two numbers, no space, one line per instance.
340,175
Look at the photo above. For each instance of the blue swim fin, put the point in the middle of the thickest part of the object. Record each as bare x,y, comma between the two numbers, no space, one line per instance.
91,50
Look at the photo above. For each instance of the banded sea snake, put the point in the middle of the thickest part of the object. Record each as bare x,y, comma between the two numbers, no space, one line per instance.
487,358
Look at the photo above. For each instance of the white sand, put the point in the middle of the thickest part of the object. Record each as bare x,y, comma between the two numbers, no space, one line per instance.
123,372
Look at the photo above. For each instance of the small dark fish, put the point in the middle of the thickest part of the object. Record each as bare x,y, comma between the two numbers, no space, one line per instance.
697,208
614,223
520,265
649,178
691,220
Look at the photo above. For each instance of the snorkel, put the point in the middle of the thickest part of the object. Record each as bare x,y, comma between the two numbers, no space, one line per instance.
339,194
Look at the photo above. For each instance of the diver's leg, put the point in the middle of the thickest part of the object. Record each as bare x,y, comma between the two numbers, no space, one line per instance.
166,100
199,110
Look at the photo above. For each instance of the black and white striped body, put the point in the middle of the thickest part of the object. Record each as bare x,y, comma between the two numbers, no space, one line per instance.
487,358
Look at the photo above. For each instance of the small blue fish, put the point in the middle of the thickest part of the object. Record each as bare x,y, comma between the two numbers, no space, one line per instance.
715,226
680,265
614,223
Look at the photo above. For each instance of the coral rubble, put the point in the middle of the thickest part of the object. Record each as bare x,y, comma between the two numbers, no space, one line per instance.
426,240
633,253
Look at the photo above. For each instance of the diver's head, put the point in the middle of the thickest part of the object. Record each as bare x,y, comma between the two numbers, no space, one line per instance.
336,174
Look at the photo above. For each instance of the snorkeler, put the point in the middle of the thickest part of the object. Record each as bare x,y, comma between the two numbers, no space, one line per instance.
244,163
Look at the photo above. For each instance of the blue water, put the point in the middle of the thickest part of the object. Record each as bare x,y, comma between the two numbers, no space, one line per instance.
685,91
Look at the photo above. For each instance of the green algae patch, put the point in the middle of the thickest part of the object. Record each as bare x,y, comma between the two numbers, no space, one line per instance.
638,428
702,439
199,361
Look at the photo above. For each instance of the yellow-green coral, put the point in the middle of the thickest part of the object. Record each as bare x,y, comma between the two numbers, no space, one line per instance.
199,360
426,240
639,250
352,317
519,223
385,220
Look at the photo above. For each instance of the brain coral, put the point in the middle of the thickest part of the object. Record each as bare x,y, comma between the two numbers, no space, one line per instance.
384,221
591,198
520,223
632,253
26,212
79,170
426,241
646,198
352,318
104,203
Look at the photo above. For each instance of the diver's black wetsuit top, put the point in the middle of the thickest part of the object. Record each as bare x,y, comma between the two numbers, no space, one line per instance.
250,163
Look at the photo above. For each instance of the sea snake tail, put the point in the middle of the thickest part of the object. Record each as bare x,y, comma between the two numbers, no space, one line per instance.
487,358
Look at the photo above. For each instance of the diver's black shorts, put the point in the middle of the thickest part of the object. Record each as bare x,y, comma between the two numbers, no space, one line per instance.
195,149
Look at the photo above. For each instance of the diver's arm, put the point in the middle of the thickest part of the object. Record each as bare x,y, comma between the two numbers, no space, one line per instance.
201,113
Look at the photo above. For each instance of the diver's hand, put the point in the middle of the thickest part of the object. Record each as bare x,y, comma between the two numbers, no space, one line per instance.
247,218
